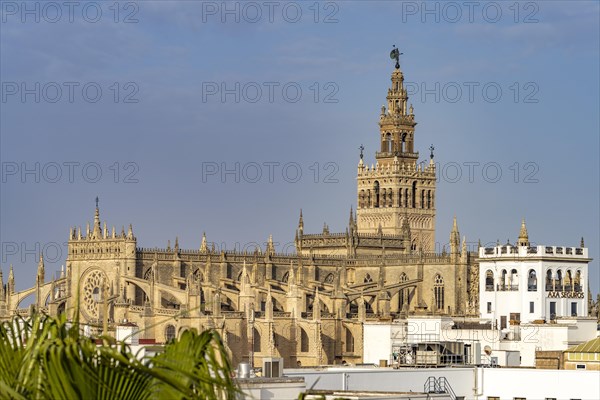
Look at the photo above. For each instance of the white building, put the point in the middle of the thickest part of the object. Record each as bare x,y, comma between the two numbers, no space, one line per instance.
427,340
462,382
526,283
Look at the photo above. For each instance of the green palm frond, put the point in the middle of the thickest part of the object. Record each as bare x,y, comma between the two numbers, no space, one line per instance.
48,358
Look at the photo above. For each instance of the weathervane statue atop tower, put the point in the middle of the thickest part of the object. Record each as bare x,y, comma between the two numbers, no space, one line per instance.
395,55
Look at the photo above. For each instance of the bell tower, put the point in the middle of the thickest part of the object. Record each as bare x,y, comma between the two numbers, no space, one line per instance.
398,187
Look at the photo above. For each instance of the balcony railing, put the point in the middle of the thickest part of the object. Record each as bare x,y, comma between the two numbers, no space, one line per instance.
381,154
504,288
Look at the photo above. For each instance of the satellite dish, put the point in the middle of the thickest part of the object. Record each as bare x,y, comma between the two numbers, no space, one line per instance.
487,350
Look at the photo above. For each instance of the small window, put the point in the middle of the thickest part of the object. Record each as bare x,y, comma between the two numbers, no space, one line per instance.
531,307
573,309
169,333
489,307
580,366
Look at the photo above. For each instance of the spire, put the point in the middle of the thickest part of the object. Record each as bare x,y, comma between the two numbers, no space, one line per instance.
269,305
176,244
317,306
1,285
62,271
97,228
406,235
203,247
301,223
454,238
41,271
244,280
270,245
11,280
523,236
130,232
292,275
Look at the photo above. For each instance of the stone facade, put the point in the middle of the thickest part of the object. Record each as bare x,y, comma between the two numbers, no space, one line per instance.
308,306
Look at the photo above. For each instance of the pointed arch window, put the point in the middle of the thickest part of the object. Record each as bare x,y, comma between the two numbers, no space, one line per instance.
438,288
531,281
256,341
403,294
489,281
349,341
549,285
169,333
329,279
376,194
368,279
569,281
304,345
389,143
559,281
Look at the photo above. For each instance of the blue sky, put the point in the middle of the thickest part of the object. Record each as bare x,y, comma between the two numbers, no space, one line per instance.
167,123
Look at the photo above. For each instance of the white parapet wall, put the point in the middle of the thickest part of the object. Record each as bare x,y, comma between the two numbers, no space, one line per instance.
469,382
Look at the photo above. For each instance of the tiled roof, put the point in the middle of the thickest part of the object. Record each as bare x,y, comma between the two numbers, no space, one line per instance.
593,346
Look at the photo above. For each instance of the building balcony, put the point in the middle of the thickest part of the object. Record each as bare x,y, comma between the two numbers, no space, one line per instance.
507,288
386,154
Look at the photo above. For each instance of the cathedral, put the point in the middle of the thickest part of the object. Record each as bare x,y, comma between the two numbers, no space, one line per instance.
307,307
